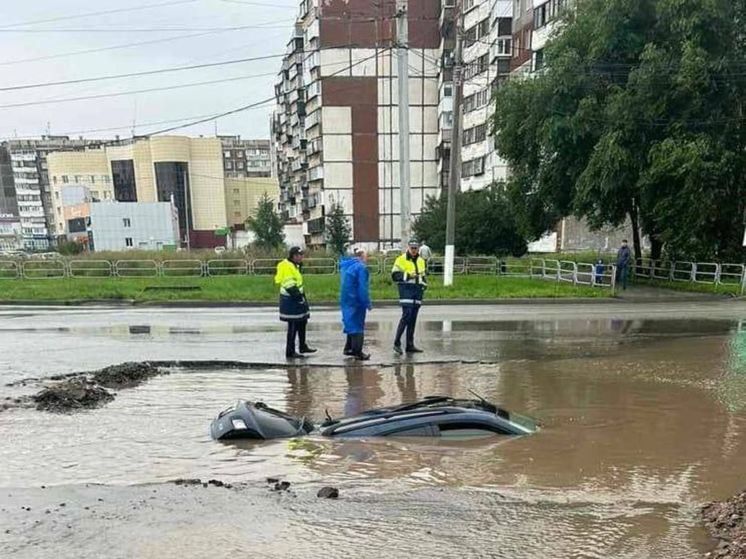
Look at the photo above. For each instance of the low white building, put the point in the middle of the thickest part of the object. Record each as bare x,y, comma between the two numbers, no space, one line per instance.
133,225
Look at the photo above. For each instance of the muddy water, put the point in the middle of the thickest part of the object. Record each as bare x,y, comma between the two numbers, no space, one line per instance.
642,422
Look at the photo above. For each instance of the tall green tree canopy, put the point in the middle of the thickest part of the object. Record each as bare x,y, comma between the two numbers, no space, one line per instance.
266,224
485,223
637,115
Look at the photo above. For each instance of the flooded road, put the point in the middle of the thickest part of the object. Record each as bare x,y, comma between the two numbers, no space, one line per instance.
643,413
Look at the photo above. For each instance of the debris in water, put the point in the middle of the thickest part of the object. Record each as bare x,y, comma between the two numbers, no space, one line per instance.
328,493
726,521
125,375
71,395
281,486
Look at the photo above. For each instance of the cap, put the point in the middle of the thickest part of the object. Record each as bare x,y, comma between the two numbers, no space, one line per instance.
294,251
414,243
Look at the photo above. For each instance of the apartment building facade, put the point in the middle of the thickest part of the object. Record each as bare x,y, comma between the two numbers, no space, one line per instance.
188,171
335,126
487,48
30,178
246,158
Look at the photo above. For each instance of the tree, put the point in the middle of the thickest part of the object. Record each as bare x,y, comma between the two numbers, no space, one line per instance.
266,224
637,116
485,223
337,228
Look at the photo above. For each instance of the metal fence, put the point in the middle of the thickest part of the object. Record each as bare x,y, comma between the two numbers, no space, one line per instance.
554,270
708,273
577,273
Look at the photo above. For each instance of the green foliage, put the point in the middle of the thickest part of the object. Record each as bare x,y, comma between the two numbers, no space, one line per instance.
485,223
638,115
69,248
267,225
337,229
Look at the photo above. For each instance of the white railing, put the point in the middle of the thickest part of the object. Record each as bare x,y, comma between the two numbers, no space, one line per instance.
568,271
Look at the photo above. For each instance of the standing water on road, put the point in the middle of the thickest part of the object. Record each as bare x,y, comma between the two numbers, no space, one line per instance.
642,422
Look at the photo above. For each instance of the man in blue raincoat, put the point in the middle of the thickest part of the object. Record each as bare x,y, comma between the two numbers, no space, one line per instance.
354,300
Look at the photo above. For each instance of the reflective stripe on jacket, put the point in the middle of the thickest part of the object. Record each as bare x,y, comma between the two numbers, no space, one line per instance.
409,273
293,303
288,276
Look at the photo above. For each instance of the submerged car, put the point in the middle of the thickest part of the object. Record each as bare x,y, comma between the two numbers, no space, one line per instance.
432,417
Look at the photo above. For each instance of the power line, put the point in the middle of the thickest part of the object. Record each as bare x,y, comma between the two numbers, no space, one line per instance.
263,4
91,14
134,92
266,25
117,47
264,101
145,73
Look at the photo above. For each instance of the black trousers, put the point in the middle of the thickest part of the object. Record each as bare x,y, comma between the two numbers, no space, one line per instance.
407,322
296,329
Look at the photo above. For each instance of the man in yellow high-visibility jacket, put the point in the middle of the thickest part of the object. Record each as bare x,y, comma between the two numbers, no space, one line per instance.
293,304
409,273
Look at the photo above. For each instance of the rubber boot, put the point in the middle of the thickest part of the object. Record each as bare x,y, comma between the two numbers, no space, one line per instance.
302,345
348,346
357,348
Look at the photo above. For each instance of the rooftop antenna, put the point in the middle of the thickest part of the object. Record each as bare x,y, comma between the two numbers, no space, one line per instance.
134,119
49,128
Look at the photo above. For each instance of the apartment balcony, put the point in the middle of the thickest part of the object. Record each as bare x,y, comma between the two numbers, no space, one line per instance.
316,173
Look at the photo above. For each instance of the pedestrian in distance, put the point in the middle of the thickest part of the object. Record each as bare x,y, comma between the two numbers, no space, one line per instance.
409,273
354,301
425,251
294,307
623,259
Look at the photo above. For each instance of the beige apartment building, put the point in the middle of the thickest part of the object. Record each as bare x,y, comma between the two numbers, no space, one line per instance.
242,196
187,170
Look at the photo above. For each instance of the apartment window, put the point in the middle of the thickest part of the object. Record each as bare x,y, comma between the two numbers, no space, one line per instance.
475,134
107,195
476,100
239,154
538,60
65,179
227,154
56,195
502,46
229,165
472,167
77,178
126,222
128,241
484,28
504,26
447,91
93,179
470,36
236,191
477,67
236,214
239,165
54,179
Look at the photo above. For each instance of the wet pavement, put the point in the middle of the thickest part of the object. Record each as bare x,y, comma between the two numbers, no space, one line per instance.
643,410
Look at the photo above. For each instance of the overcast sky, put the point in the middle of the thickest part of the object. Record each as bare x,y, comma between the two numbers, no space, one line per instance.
76,34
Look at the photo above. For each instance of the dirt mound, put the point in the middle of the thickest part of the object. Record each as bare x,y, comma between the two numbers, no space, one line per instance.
71,395
726,521
125,375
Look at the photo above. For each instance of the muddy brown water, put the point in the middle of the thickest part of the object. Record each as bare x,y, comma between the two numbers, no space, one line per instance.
643,421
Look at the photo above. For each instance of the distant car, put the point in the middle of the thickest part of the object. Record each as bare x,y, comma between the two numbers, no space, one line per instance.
436,416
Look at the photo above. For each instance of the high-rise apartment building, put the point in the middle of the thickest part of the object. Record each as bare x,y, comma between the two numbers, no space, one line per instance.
246,158
335,127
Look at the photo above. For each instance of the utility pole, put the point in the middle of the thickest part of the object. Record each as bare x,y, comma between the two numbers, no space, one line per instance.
187,208
402,43
454,174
